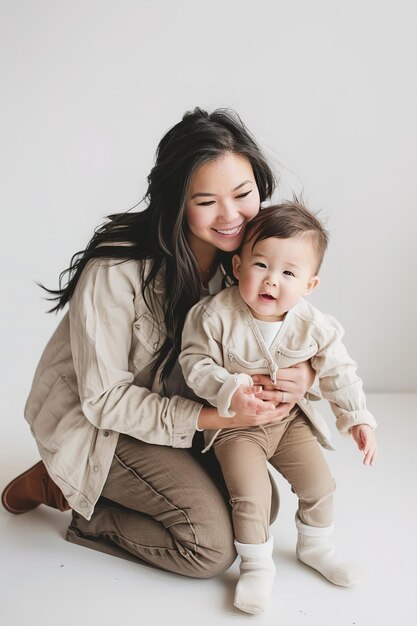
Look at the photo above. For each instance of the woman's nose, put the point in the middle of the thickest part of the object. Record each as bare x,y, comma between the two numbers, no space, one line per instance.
229,213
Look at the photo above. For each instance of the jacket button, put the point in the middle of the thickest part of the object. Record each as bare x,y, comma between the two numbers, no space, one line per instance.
96,469
83,503
106,433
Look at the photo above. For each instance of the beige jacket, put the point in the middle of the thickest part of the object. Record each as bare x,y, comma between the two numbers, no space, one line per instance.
222,346
93,382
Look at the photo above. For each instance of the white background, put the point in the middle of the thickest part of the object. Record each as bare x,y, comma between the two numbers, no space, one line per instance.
88,88
328,88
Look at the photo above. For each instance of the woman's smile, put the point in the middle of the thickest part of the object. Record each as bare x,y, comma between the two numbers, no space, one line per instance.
230,232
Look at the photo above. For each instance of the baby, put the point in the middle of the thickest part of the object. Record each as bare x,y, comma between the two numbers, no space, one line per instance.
261,325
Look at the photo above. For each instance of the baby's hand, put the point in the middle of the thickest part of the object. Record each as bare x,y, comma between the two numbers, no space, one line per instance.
245,403
365,439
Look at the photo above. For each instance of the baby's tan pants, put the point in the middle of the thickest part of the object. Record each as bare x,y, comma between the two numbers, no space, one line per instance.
292,448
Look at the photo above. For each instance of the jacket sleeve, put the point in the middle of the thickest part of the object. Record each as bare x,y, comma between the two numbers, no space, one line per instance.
202,360
102,314
338,379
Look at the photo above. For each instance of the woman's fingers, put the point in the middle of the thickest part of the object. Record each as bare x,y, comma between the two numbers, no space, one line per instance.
286,375
281,411
286,385
290,373
264,406
277,397
261,379
246,402
262,416
273,417
281,385
296,380
250,389
259,406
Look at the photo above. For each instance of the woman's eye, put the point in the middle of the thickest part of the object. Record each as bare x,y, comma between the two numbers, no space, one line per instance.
243,195
288,273
207,203
259,264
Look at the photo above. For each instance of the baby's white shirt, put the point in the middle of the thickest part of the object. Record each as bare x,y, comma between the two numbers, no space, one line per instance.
268,330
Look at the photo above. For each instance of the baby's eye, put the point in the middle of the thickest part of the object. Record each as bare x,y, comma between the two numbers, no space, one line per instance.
288,273
259,264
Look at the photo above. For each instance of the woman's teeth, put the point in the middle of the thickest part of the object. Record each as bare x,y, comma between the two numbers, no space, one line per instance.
230,231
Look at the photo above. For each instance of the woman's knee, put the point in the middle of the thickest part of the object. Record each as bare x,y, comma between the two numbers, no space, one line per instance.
215,559
214,550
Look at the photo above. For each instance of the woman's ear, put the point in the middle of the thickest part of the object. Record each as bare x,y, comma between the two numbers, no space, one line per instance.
311,285
236,266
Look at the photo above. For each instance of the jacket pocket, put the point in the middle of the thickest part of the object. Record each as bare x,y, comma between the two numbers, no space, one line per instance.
58,416
147,340
235,359
298,355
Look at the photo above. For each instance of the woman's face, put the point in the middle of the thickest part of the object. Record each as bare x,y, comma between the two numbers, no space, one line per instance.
223,197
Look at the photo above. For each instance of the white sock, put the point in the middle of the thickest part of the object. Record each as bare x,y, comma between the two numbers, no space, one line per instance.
316,549
257,573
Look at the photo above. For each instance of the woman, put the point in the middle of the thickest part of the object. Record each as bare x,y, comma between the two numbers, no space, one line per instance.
108,407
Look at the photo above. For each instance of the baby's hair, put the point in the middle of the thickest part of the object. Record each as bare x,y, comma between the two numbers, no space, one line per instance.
286,220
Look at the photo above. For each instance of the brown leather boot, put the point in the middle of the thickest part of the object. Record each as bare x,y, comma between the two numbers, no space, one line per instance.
32,488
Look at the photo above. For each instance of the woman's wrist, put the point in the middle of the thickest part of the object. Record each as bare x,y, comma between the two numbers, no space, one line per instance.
209,419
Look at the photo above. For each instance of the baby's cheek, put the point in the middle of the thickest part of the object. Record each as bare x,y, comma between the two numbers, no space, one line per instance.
248,286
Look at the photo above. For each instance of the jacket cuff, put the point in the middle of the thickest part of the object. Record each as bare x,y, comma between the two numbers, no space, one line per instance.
224,397
346,420
184,422
314,392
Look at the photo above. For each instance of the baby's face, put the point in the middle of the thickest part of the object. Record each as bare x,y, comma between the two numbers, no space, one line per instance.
275,274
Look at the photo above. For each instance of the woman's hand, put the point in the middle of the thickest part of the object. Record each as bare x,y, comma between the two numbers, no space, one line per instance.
260,415
292,385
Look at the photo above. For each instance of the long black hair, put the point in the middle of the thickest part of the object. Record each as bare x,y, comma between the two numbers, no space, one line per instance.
159,232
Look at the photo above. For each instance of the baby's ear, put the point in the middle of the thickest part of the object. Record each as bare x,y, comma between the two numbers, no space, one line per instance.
311,285
236,266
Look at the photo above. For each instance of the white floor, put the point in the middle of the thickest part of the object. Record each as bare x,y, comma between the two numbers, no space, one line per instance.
45,580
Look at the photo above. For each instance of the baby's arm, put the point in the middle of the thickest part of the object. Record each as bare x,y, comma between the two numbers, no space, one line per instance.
342,387
202,363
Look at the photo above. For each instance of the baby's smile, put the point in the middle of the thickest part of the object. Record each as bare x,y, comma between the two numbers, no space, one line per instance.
266,297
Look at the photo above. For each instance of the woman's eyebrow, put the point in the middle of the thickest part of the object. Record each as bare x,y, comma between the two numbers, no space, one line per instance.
202,193
242,184
207,193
